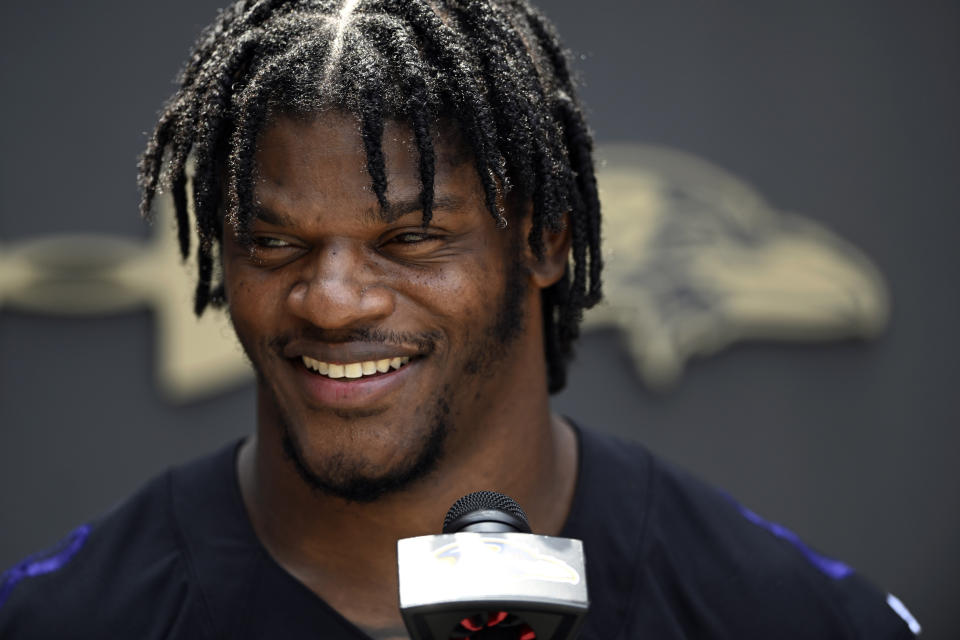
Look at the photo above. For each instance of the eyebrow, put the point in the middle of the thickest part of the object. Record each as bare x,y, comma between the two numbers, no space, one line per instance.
395,210
272,217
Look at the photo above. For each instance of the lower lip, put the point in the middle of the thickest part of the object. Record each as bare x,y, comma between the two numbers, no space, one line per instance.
344,393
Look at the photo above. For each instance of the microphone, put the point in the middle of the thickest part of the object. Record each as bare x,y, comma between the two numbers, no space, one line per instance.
487,577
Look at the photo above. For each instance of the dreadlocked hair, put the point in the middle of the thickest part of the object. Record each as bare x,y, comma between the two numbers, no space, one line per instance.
495,68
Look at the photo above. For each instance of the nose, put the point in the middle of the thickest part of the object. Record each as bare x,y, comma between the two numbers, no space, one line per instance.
340,289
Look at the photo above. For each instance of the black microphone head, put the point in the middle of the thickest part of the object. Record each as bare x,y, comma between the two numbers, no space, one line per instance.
486,511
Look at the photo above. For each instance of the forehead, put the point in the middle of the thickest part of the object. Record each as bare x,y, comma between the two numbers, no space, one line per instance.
306,157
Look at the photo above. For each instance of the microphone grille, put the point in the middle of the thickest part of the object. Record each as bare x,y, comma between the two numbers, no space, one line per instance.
484,501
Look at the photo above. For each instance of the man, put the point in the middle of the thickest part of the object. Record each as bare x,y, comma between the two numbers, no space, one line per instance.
395,201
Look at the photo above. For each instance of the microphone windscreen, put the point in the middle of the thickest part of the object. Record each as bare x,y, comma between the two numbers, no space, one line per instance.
489,502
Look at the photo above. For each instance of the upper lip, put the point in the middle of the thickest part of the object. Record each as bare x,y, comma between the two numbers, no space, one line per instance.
347,352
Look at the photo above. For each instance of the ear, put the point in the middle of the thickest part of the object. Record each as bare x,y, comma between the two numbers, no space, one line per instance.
548,269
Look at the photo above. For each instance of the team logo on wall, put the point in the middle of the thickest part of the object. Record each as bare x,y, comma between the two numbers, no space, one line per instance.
695,261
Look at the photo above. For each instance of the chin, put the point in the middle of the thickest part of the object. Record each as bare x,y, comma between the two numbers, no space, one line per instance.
365,469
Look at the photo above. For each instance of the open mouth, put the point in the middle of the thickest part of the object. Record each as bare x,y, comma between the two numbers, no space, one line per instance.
355,370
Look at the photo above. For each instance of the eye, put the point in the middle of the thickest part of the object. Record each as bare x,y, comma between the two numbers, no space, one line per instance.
412,237
267,242
271,251
416,244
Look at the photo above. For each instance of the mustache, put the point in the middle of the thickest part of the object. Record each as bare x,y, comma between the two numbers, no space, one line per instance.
425,342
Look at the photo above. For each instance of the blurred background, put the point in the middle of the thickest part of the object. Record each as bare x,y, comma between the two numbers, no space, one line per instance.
844,113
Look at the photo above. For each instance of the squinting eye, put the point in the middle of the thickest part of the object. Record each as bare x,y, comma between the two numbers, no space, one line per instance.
266,242
411,237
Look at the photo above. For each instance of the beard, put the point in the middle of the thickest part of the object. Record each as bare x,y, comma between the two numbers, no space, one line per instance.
354,479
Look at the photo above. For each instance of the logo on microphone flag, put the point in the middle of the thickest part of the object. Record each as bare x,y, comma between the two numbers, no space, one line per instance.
506,558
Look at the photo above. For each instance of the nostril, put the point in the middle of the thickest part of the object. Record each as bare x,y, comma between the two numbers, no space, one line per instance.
339,300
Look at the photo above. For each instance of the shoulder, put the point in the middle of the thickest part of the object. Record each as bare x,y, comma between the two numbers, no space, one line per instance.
125,574
703,565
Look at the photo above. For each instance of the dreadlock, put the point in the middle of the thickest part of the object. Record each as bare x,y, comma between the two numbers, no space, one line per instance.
496,68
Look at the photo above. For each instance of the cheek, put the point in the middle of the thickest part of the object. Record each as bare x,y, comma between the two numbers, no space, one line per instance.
464,304
461,292
254,304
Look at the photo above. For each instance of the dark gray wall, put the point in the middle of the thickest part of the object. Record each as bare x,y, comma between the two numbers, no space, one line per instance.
844,111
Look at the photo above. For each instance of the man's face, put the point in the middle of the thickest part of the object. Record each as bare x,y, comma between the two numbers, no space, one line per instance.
378,342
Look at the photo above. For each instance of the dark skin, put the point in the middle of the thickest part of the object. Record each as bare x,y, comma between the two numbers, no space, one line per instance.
328,265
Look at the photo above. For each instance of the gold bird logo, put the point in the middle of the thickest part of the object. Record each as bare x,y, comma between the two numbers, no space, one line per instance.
697,260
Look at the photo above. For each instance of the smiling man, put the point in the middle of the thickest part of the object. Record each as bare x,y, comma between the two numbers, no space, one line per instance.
395,200
374,334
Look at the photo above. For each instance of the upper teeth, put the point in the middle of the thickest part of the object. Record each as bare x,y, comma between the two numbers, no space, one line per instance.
354,369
